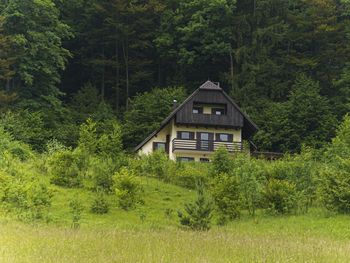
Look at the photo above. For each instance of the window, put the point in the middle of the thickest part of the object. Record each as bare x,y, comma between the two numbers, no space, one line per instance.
185,135
197,110
204,160
185,159
204,136
159,146
218,111
224,137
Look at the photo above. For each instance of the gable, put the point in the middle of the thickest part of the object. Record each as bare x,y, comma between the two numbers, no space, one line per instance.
232,119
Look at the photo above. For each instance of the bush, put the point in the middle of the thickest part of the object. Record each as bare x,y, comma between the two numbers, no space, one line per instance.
251,176
64,168
100,205
156,165
221,162
128,189
101,172
188,174
24,196
225,192
198,214
335,186
280,196
15,148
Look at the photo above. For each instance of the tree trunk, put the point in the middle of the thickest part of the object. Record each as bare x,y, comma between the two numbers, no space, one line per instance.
232,73
126,60
103,77
117,75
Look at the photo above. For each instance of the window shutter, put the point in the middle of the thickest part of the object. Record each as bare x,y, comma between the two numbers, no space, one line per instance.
211,136
217,137
154,146
178,135
230,137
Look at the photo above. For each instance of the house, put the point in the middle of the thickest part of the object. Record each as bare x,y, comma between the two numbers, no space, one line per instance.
206,120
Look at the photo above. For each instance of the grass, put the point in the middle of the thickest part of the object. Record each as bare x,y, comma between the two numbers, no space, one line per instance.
271,240
159,197
148,234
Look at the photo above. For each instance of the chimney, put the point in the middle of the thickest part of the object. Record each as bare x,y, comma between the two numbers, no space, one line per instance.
174,104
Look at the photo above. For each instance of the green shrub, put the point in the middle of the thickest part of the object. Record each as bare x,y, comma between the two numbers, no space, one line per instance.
221,162
335,186
15,148
100,205
128,189
225,192
101,172
64,168
156,165
26,197
280,196
198,214
188,174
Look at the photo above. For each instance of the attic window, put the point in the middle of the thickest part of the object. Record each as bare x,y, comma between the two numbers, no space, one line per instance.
218,111
197,110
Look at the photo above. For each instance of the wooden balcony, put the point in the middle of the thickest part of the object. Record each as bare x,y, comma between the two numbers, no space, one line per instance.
205,146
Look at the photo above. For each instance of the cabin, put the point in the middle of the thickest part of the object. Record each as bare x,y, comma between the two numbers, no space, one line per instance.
206,120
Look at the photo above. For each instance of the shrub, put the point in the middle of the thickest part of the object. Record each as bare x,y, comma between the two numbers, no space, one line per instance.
225,192
64,168
128,189
280,196
101,172
100,205
221,162
156,165
335,186
110,142
198,214
250,174
25,196
188,174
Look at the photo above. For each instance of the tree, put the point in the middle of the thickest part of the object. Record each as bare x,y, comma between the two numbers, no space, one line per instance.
199,213
306,118
36,33
148,110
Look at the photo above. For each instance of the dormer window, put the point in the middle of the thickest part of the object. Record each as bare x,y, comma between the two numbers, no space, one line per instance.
218,111
197,110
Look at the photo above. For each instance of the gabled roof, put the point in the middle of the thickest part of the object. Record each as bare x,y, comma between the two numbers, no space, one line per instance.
208,85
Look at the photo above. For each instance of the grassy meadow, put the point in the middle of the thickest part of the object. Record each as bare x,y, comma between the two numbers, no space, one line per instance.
291,239
150,234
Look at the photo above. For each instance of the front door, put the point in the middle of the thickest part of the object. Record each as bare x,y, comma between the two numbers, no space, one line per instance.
205,141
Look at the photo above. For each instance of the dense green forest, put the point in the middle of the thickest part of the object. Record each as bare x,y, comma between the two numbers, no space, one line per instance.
285,62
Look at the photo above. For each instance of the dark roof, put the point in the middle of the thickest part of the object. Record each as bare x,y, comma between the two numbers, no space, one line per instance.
208,85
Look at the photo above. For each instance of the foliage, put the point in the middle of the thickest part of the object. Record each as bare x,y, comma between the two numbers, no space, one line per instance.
128,189
221,162
76,209
198,214
225,192
148,110
63,166
100,204
280,196
24,195
156,165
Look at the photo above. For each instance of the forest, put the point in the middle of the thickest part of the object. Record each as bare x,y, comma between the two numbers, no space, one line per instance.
83,82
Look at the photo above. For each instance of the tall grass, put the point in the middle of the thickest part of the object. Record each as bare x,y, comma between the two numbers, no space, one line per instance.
266,241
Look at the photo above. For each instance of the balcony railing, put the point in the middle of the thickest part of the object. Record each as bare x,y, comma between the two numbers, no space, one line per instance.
206,146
